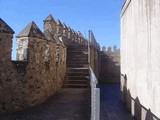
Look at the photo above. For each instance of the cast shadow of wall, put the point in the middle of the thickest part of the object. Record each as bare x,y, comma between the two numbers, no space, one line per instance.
134,105
110,67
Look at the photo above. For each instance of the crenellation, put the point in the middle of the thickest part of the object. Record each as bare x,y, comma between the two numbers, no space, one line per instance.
36,74
114,48
79,36
109,49
110,62
65,30
59,27
50,24
6,35
73,35
40,66
5,28
48,35
22,48
69,32
104,49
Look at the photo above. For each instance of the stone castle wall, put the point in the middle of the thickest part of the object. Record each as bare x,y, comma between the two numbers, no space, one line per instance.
40,67
37,74
110,65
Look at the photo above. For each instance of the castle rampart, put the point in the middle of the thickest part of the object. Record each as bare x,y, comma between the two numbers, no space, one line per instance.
40,65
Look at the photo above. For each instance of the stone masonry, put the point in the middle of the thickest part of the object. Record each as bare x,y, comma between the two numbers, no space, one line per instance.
110,65
40,67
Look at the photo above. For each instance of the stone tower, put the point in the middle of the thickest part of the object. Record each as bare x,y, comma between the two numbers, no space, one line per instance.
6,35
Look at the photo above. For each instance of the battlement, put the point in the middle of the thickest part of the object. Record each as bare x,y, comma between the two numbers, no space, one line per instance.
110,49
70,36
39,69
110,60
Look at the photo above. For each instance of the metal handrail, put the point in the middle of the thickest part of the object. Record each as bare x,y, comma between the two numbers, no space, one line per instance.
95,92
95,96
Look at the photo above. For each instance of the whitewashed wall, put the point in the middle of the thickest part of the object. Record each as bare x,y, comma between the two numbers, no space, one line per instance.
140,51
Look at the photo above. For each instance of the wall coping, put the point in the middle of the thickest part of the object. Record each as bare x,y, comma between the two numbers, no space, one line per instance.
124,7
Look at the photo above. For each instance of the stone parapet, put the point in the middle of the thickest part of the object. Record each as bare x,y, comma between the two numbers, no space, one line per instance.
40,67
38,71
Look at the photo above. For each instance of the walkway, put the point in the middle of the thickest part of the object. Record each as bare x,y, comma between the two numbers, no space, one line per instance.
111,106
70,104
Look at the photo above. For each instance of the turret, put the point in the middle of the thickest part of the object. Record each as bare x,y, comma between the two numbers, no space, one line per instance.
28,43
6,35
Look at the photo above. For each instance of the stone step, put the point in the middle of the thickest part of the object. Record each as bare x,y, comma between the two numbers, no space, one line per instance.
75,85
83,69
77,56
75,62
77,47
75,81
77,52
77,77
77,59
77,65
78,73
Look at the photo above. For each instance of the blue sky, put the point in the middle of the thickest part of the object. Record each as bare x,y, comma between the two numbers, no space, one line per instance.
100,16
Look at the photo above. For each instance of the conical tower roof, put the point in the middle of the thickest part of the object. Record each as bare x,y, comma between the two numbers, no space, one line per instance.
49,18
31,30
4,27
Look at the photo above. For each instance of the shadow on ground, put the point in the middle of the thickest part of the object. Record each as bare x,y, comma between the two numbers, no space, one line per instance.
69,104
111,106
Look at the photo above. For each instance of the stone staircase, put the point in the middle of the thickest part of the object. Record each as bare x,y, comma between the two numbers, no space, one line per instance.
77,73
